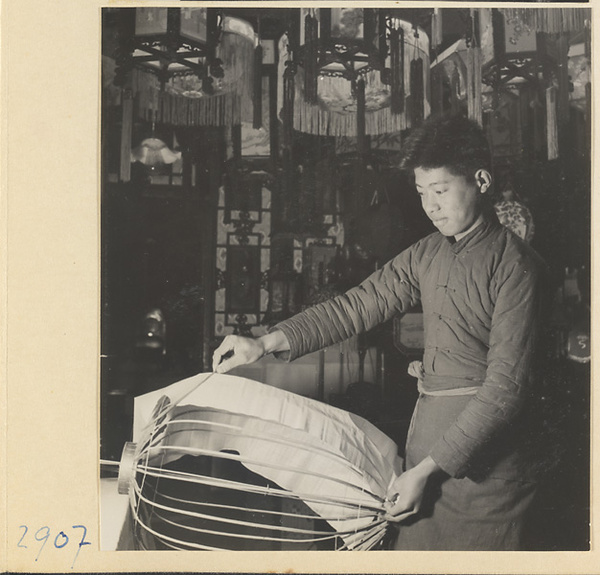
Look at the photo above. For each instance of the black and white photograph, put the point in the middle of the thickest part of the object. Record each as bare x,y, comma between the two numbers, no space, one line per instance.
287,279
345,278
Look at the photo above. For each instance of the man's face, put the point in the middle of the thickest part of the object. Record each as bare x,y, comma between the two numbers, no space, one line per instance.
450,201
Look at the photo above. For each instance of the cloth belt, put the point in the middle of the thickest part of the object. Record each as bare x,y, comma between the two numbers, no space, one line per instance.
448,392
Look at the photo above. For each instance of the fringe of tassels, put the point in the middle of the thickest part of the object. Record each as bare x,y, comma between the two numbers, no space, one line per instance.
316,120
319,120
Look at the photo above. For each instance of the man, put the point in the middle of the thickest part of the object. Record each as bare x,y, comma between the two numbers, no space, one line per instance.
463,487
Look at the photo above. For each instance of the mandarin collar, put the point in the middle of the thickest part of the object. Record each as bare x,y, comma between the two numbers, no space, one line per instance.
489,224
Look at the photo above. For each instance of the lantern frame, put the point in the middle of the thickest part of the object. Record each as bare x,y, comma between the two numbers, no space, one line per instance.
167,49
338,55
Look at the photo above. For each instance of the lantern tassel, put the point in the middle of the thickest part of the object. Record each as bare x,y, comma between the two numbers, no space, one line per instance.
126,131
551,123
360,117
257,88
474,84
289,91
397,70
311,59
416,92
455,90
436,28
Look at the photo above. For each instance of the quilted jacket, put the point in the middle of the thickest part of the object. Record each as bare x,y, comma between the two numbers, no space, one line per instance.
480,296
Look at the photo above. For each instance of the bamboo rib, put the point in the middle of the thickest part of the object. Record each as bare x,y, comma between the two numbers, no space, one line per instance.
161,536
317,536
229,484
248,509
374,523
373,533
370,537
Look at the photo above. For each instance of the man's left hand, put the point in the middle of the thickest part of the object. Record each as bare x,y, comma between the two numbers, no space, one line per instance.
406,493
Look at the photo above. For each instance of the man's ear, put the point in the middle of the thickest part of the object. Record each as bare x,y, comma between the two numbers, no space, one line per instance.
484,180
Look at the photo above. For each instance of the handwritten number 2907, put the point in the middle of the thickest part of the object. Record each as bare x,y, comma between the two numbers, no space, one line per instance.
61,539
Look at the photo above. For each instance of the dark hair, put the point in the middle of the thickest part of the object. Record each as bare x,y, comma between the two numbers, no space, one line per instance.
455,143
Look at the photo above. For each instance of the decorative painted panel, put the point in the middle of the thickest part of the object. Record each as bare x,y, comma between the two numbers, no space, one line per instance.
334,237
243,256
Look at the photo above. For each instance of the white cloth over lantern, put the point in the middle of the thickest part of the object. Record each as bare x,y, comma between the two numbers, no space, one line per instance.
338,464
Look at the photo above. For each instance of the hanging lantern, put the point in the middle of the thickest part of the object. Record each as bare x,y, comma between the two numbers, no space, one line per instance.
512,51
355,43
548,20
188,66
153,151
531,46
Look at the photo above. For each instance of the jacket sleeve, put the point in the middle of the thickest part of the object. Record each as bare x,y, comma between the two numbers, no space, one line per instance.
512,343
391,289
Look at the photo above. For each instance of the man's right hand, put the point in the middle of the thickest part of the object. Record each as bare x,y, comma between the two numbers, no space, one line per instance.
236,350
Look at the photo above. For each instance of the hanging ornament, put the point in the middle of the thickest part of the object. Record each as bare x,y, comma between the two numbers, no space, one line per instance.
516,216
